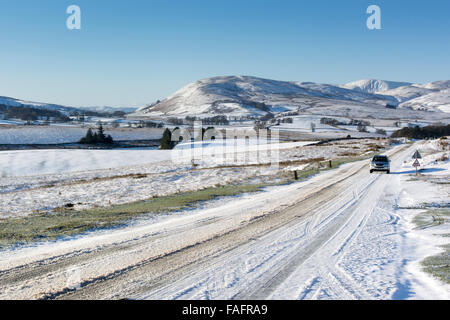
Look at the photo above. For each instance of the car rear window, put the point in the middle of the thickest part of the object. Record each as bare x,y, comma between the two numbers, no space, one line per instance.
380,158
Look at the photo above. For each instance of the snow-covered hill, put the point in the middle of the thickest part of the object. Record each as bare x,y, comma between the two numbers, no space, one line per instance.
238,96
435,101
437,85
433,96
406,93
374,86
244,95
12,102
251,96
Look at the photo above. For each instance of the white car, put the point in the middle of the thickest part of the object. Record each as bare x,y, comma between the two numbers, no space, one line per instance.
380,163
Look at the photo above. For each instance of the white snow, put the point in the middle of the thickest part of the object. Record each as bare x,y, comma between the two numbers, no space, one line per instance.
237,95
44,162
17,103
374,86
68,134
363,243
89,177
375,255
433,101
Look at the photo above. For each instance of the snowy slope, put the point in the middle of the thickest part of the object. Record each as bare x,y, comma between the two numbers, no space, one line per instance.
12,102
435,101
244,95
406,93
251,96
224,95
433,96
339,93
437,85
374,86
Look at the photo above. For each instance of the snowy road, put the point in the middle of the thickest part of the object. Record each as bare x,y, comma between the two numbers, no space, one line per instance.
298,260
334,236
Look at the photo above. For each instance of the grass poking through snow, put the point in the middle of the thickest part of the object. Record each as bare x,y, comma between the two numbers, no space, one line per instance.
64,222
438,265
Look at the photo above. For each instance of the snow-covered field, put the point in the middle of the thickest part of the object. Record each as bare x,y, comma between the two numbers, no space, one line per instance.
342,234
303,124
60,161
68,134
44,179
375,252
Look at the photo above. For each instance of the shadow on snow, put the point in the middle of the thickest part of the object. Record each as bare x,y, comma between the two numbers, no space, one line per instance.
421,171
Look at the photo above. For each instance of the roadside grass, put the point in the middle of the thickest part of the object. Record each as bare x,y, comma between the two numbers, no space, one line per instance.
66,222
338,162
438,265
63,222
431,218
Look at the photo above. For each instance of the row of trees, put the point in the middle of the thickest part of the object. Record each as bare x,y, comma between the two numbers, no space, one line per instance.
281,120
422,133
90,113
31,114
331,122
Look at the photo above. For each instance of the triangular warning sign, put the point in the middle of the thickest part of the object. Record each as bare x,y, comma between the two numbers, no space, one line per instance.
417,155
416,163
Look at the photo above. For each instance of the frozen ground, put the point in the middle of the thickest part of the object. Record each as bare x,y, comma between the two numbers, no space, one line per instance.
343,234
373,251
68,134
303,124
58,161
39,181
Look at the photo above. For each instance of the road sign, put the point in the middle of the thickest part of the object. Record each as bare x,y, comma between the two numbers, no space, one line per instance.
416,165
417,155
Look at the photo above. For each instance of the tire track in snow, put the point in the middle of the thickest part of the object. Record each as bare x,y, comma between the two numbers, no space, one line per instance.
334,278
150,275
196,269
238,238
196,277
321,238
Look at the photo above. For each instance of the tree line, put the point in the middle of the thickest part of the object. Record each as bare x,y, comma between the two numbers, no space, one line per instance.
31,114
416,132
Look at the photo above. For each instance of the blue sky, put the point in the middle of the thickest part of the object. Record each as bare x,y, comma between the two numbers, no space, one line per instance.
136,51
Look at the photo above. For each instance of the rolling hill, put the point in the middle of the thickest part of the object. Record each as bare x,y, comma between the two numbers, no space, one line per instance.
12,102
374,86
245,96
